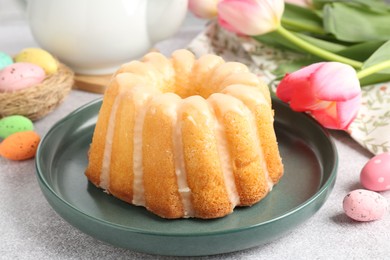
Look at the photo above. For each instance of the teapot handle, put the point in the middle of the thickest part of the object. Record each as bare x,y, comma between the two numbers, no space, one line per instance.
164,18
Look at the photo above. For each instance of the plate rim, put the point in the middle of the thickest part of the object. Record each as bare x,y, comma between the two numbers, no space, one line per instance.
319,192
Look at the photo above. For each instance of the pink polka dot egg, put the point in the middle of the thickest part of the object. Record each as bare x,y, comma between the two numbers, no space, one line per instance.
375,175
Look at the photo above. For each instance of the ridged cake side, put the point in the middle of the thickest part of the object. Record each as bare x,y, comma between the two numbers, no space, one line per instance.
185,137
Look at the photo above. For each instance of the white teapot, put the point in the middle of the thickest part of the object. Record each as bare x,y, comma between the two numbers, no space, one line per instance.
97,36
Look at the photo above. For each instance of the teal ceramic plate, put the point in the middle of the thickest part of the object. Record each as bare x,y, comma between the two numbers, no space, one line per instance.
310,161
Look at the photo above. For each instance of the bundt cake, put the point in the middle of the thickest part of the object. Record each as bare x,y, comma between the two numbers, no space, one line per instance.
185,137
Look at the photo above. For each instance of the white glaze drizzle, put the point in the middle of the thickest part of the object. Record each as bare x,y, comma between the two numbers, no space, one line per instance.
252,96
180,169
259,149
222,145
140,103
140,99
105,174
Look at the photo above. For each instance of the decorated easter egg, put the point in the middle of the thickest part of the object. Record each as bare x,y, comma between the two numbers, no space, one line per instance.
20,146
19,76
38,57
5,60
375,175
14,124
364,205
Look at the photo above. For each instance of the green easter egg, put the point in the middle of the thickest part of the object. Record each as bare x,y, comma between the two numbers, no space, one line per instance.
5,60
14,124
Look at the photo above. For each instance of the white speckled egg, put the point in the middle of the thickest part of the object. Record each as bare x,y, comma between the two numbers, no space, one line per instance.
375,175
5,60
20,75
364,205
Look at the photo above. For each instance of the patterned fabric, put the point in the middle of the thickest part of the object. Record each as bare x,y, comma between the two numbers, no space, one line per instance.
371,128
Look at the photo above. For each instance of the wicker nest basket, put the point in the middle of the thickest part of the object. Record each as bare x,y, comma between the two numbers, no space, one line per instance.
37,101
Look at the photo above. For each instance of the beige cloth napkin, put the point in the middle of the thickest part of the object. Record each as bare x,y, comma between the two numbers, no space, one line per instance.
371,128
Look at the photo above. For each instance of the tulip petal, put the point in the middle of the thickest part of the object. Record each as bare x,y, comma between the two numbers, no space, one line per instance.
203,8
250,17
297,88
327,117
330,91
348,110
227,25
336,82
285,89
338,115
242,16
277,7
303,98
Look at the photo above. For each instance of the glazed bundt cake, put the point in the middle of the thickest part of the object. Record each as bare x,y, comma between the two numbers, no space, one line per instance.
185,137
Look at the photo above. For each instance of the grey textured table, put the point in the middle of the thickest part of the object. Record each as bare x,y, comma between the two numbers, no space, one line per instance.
30,229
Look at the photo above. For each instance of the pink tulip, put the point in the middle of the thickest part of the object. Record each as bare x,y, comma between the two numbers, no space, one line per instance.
329,91
206,9
250,17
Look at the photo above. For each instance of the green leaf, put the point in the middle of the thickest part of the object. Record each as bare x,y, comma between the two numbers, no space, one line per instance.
355,23
298,18
361,51
323,44
278,41
380,55
378,6
374,79
292,66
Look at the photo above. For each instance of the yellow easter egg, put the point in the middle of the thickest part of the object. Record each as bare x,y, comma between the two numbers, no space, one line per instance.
38,57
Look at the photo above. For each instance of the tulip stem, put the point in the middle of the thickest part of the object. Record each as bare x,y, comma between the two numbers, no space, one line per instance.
302,26
310,48
373,69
